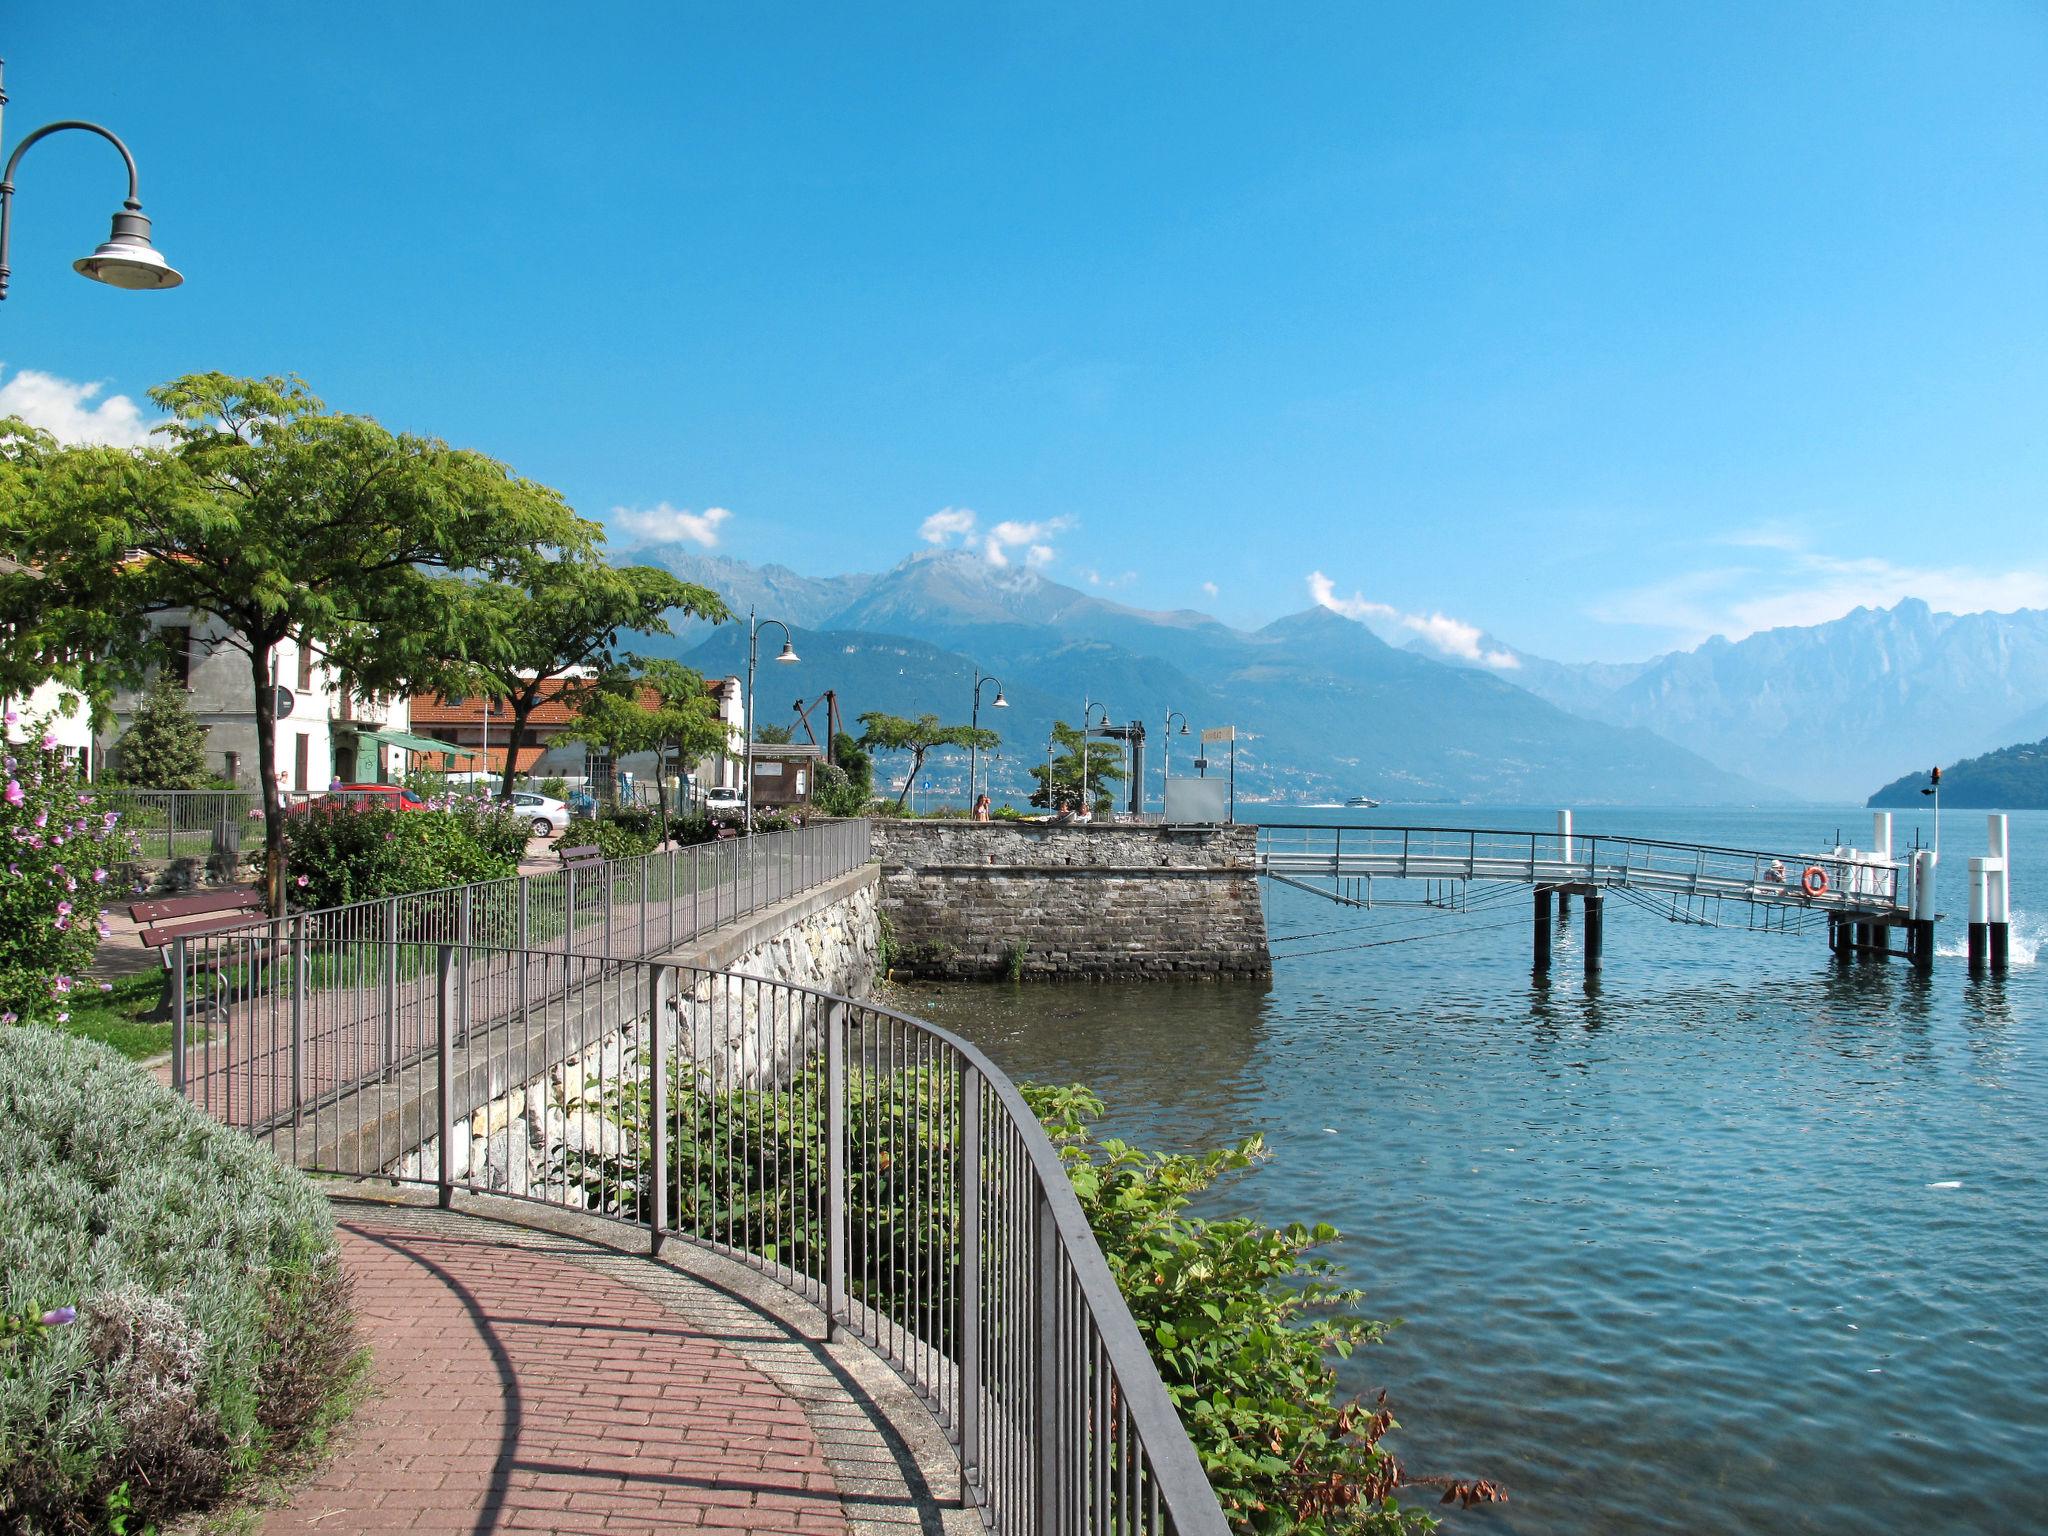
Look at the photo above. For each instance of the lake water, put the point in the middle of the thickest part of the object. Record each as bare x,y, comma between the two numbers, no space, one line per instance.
1735,1241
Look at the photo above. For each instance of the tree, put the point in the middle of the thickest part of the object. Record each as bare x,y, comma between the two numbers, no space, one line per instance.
773,735
1104,763
562,619
893,733
663,708
280,519
165,747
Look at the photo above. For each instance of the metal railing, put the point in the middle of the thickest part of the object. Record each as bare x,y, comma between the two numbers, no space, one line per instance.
183,823
1462,853
878,1167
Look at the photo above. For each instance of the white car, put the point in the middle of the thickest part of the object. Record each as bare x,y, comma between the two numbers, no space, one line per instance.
725,797
542,813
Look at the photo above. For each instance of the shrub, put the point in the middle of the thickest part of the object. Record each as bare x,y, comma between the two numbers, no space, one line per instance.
339,852
61,852
691,828
555,787
836,794
621,838
165,748
212,1330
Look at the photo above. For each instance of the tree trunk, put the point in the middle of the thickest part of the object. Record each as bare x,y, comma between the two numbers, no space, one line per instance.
266,774
916,762
522,711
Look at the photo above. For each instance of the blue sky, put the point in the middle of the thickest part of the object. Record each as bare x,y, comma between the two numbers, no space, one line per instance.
1600,328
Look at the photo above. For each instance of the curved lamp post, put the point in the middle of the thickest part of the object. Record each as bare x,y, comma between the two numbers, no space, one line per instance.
1087,714
1166,771
127,259
973,747
754,628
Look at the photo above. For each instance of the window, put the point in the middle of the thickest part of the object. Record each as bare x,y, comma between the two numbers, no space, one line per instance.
234,767
178,641
305,671
302,759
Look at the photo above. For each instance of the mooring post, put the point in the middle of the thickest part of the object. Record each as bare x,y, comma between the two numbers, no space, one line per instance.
1564,854
1980,920
1542,935
1998,891
1922,909
1591,938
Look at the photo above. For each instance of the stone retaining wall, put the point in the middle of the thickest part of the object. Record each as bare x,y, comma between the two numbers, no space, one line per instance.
979,901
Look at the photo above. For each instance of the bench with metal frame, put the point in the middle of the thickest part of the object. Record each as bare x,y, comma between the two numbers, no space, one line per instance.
170,920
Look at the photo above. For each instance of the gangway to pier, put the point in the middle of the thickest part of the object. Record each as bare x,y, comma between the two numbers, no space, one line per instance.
1862,895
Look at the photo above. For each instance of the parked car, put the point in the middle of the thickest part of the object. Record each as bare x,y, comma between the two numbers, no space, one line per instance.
543,813
388,797
725,797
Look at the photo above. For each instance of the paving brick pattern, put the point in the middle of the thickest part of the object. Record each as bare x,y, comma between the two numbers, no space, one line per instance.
519,1389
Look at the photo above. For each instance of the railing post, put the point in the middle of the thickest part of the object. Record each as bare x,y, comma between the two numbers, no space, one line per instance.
178,1028
671,895
1045,1367
391,983
696,889
569,900
523,946
444,1039
659,979
969,1417
836,1266
298,1016
468,939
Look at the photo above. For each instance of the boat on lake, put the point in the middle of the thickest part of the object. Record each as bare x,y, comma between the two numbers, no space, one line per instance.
1361,803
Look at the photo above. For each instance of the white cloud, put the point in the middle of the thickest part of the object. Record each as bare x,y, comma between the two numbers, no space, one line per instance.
1786,584
944,524
1033,538
66,410
663,524
1439,631
1095,578
1212,589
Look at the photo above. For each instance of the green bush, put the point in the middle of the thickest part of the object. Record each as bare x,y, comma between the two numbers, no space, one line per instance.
621,835
836,794
338,851
61,853
554,787
212,1332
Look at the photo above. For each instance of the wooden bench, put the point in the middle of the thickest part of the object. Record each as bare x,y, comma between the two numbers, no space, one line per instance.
586,857
172,918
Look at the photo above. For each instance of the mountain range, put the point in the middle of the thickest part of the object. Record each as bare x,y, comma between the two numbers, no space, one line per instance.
1326,708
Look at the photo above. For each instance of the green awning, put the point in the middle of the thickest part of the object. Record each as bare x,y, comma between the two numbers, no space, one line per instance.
412,743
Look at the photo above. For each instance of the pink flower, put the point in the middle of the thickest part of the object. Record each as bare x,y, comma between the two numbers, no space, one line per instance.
99,877
13,717
304,882
9,1018
106,986
63,1017
60,986
42,818
64,909
14,793
63,924
49,741
59,1317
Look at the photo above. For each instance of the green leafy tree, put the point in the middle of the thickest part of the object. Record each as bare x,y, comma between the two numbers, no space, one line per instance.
165,747
1104,763
919,737
662,707
851,756
284,521
562,618
773,735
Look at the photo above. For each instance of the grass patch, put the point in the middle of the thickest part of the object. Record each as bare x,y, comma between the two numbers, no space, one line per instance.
120,1018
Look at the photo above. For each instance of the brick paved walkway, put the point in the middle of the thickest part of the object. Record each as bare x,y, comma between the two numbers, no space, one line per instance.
520,1387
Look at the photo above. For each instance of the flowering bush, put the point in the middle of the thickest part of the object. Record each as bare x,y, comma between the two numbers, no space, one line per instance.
342,851
173,1315
59,850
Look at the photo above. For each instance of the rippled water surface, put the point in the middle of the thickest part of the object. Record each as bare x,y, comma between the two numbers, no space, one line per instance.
1736,1240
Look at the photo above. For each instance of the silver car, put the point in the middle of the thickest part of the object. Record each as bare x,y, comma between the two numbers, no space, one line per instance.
543,814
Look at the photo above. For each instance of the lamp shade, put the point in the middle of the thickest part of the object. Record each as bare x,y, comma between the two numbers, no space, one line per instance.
128,260
788,653
1001,702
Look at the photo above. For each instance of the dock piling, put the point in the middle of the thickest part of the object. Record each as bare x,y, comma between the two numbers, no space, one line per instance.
1594,934
1542,932
1998,892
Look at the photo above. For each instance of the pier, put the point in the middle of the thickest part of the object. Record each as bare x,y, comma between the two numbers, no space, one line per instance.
1872,901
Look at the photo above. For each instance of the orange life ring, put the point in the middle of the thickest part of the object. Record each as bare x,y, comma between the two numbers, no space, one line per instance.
1814,881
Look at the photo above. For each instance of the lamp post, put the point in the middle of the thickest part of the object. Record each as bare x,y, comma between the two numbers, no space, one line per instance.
1166,771
1088,713
127,259
754,628
974,746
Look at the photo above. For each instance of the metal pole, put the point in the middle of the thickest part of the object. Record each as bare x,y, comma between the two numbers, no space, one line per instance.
523,946
298,1016
1045,1367
753,652
178,1027
444,1036
970,1281
836,1256
973,750
659,980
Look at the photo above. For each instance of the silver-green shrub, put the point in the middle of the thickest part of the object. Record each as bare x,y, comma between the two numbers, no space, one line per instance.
213,1328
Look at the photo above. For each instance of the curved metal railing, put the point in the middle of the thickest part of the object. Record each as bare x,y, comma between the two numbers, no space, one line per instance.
879,1167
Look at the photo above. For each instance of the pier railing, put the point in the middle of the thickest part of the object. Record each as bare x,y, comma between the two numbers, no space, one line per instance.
878,1167
1833,879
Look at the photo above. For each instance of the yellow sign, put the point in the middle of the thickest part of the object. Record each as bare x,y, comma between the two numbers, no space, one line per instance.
1219,733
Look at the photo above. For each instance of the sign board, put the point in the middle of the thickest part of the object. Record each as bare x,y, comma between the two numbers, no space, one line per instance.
1197,800
767,770
1219,733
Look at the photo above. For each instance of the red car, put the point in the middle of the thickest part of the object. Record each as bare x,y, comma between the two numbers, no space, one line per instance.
386,797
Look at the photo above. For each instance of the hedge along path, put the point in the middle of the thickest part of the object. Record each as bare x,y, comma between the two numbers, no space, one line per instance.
527,1381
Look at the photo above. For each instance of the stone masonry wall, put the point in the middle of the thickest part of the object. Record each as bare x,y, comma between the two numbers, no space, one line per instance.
536,1136
1085,903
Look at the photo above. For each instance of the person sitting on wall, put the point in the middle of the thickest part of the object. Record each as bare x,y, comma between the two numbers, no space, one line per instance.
981,810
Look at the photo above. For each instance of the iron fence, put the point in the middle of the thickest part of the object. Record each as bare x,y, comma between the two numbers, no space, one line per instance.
878,1167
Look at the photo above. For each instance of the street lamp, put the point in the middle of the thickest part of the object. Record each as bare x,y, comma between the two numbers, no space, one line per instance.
1167,773
127,259
754,628
1087,714
974,746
